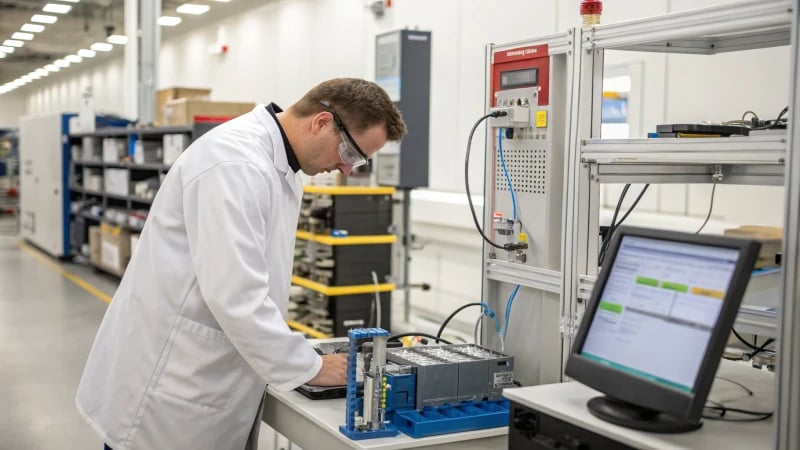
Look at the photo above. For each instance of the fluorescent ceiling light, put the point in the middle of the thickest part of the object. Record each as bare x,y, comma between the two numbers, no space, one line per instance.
221,1
192,8
70,1
74,58
42,18
6,49
22,36
35,75
57,8
42,72
32,28
13,43
27,78
118,39
3,55
169,21
84,53
101,47
61,63
52,68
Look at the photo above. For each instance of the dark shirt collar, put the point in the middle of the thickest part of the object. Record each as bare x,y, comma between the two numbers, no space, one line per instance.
290,155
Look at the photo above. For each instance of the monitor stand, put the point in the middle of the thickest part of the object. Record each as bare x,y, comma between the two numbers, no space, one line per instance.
633,416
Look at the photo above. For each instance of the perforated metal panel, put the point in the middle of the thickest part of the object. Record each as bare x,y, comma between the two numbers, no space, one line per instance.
527,168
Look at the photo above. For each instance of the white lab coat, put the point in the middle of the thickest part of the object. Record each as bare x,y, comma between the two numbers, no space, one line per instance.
197,326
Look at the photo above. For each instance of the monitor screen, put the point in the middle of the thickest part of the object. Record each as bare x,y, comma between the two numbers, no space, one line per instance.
656,325
663,295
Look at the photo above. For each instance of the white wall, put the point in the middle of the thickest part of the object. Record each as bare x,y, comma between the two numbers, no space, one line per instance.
281,48
12,106
64,92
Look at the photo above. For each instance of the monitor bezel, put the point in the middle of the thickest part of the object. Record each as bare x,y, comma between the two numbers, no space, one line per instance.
648,394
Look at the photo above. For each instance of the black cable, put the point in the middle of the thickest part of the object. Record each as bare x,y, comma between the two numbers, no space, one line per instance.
773,124
723,410
607,239
743,340
466,178
749,392
617,225
783,111
633,205
450,317
395,337
762,348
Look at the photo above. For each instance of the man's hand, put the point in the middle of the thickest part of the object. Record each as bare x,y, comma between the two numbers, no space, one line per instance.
333,371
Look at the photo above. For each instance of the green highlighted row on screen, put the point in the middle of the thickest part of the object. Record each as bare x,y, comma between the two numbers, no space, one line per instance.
611,307
652,282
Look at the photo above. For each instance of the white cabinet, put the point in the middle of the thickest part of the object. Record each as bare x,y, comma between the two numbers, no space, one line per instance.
44,215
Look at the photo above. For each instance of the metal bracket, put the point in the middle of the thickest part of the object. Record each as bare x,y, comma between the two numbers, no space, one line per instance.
717,176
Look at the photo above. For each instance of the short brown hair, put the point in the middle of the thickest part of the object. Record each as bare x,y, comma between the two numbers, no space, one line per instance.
360,103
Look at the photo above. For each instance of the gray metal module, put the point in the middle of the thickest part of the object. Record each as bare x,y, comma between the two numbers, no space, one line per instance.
455,373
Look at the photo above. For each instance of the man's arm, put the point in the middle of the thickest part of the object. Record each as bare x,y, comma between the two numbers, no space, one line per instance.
224,209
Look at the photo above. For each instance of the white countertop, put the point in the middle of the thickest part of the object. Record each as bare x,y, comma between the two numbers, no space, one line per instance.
327,415
567,401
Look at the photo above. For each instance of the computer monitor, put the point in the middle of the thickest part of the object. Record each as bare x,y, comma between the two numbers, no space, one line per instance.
657,323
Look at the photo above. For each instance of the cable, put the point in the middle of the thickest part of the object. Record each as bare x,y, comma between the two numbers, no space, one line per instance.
783,111
723,410
466,177
607,238
508,309
758,124
762,348
377,302
749,392
743,340
751,113
614,225
710,208
429,336
486,310
477,329
505,171
633,205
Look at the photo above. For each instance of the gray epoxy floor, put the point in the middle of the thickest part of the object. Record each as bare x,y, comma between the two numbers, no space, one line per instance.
47,325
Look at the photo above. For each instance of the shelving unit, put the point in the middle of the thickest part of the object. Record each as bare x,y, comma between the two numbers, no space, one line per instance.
89,206
753,160
341,240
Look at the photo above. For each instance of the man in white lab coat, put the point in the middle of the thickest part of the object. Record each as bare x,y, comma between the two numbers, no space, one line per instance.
197,326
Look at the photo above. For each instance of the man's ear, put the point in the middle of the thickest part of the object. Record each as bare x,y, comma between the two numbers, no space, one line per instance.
320,121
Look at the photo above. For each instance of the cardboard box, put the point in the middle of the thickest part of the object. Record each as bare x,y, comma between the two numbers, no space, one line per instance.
94,245
771,239
115,247
172,93
183,111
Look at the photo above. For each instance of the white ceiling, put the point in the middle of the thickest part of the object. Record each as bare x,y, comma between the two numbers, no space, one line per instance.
88,22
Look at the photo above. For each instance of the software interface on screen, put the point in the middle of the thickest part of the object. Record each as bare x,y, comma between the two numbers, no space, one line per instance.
658,308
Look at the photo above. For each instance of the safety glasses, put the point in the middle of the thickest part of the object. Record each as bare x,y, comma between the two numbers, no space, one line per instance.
349,152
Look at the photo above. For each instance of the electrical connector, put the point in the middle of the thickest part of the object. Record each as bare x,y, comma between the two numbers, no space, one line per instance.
515,116
516,246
